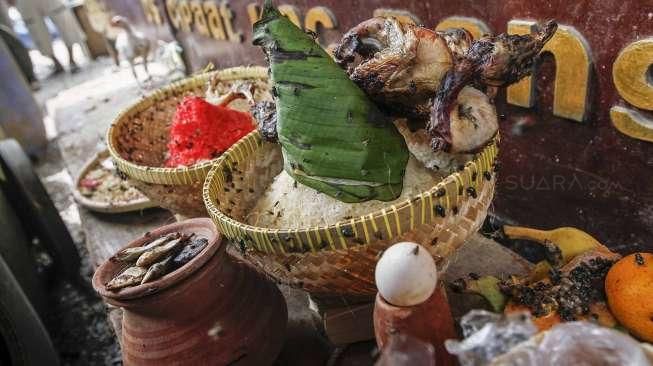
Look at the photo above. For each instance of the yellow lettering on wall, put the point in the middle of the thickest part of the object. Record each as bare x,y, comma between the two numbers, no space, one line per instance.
185,15
572,57
253,12
145,4
292,13
214,20
158,20
171,7
151,12
475,26
199,18
630,74
632,123
402,16
321,15
227,21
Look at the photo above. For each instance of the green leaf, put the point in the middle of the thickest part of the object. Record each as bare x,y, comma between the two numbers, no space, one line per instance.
333,138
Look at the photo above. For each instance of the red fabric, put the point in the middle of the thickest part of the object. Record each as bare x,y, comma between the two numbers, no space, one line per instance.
202,131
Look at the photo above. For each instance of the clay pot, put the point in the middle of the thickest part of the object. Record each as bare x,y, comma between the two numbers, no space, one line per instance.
212,311
430,321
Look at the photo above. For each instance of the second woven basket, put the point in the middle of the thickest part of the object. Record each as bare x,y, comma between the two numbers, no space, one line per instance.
340,259
137,140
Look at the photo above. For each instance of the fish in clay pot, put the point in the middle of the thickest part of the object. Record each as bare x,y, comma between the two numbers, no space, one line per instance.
172,317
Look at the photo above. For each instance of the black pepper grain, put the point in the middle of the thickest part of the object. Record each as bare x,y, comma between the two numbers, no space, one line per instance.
439,210
347,231
471,192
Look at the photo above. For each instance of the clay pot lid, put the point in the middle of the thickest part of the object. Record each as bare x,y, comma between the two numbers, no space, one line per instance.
202,227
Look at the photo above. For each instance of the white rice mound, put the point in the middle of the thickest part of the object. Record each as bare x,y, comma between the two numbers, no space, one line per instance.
289,205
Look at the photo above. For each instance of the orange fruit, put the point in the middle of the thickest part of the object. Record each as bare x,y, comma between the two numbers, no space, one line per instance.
629,289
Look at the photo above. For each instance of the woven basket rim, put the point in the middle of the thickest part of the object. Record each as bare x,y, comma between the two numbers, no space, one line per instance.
231,227
181,175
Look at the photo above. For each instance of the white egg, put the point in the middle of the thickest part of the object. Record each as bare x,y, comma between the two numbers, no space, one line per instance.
406,274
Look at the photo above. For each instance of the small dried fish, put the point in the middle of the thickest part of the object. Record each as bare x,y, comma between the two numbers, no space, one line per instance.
129,277
157,270
155,254
189,251
132,254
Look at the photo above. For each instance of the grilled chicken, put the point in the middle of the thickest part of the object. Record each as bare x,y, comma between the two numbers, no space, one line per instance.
398,65
493,61
458,40
417,73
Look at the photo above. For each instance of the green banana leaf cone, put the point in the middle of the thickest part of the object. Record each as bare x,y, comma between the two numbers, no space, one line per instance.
333,138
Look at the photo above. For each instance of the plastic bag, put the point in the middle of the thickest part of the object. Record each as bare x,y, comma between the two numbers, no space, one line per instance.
495,339
489,335
577,344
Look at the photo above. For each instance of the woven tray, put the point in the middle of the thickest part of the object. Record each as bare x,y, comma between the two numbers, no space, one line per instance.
340,258
138,136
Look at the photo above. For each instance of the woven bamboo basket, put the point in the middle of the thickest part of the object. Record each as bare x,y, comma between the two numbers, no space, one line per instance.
138,137
339,259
